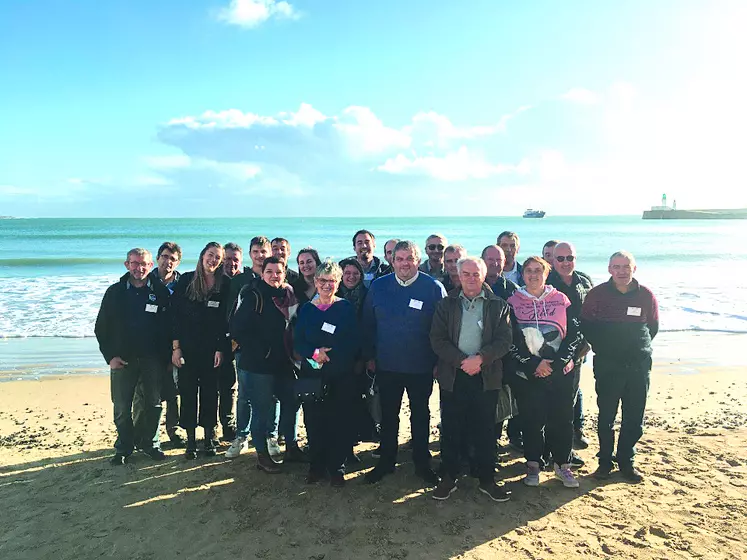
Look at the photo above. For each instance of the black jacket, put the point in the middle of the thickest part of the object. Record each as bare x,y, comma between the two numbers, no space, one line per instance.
581,284
260,329
112,332
504,288
201,325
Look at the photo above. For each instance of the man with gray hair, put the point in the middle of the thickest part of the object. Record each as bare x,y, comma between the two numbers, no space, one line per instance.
134,336
619,319
397,317
471,333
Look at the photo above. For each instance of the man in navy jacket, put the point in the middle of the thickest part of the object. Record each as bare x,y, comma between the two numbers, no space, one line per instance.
397,316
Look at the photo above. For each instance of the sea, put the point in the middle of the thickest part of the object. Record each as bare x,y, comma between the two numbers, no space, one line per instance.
53,272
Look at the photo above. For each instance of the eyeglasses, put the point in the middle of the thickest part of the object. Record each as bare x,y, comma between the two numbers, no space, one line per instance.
325,282
434,247
569,258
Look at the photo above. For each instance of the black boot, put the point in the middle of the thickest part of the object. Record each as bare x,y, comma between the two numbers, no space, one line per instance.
209,443
191,451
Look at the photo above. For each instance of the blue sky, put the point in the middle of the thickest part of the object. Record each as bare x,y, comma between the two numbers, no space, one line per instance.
343,107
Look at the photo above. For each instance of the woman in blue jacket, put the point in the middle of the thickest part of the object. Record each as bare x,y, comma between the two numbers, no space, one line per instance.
326,338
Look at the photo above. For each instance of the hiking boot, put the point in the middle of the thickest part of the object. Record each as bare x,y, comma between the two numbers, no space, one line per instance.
445,488
494,492
238,446
563,472
532,478
631,474
579,440
603,471
266,463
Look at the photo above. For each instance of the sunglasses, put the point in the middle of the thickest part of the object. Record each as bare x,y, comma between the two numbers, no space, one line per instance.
434,247
569,258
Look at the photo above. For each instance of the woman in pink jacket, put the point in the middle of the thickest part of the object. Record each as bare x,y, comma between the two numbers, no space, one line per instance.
546,338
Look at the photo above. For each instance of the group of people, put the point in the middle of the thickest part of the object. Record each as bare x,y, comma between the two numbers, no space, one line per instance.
330,336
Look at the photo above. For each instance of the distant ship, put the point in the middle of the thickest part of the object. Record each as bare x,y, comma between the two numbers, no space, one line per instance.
534,213
665,212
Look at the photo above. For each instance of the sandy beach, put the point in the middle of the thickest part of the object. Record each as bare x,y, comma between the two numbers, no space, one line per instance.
62,499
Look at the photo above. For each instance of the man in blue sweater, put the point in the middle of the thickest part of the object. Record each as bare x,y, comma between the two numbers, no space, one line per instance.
397,316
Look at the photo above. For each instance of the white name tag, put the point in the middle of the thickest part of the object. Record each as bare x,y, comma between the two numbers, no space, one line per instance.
479,324
416,304
635,311
213,303
326,327
151,308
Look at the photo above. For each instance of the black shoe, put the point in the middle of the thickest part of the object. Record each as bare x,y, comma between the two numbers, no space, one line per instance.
267,464
376,453
209,448
337,480
576,461
631,474
579,440
603,471
516,445
353,459
427,474
377,474
176,441
314,477
494,492
294,454
154,453
119,459
191,451
190,454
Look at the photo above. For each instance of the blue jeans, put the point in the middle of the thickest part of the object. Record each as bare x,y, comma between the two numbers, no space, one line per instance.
261,390
244,406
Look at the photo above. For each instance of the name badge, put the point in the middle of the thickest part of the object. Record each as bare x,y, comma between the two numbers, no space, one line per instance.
151,308
634,311
416,304
213,303
326,327
479,324
368,276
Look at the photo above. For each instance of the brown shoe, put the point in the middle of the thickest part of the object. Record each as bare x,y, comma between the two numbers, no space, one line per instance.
267,464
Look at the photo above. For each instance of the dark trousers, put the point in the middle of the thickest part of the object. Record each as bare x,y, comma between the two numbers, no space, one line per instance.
627,384
391,389
546,414
578,404
169,395
198,387
145,372
329,426
227,386
468,411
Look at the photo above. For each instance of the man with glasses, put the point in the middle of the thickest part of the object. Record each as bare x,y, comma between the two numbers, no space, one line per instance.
134,336
434,248
575,285
168,258
619,319
397,317
452,254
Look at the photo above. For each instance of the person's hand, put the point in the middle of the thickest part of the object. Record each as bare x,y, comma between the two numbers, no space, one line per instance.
544,369
322,357
472,365
218,359
568,367
177,358
117,363
371,365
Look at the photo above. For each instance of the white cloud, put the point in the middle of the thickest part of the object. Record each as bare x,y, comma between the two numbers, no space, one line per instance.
582,96
252,13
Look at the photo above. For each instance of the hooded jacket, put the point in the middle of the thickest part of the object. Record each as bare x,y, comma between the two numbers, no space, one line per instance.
544,329
496,339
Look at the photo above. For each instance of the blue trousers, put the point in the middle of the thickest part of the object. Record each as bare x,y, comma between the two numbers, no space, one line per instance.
262,390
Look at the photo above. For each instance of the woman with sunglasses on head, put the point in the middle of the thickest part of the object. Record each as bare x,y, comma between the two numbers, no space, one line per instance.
546,339
200,343
326,337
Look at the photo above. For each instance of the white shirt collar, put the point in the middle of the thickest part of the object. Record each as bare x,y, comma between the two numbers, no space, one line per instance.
405,283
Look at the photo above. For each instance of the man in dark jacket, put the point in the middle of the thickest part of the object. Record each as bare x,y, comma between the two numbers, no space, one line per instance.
470,334
619,319
132,329
575,285
364,244
510,243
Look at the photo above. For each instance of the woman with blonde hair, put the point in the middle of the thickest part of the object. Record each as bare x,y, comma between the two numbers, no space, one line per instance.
199,344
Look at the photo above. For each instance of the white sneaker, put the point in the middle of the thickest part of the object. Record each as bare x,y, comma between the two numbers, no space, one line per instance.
238,446
273,447
564,473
